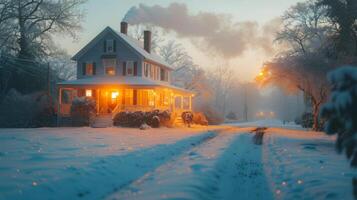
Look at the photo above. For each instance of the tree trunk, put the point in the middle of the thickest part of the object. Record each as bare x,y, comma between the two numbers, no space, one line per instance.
315,114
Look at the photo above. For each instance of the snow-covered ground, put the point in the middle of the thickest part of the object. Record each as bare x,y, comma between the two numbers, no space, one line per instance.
198,163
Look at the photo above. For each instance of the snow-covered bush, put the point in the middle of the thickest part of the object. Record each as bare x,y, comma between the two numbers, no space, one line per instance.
307,120
82,111
231,116
213,116
135,119
23,111
200,118
340,112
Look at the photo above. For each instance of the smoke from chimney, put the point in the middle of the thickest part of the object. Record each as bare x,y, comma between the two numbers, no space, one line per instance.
206,30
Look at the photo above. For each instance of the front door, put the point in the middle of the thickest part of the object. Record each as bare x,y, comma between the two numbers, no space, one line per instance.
109,99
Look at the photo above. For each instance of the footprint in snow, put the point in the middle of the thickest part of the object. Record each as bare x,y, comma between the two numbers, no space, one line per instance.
197,167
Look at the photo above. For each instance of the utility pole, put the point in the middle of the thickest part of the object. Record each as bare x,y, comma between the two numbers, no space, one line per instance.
49,84
245,102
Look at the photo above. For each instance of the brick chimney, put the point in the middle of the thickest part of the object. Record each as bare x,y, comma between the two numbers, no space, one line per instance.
124,28
147,41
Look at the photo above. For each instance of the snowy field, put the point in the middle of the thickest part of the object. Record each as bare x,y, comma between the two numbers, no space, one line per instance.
218,162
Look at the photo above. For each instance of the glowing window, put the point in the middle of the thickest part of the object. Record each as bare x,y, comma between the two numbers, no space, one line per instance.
128,98
88,93
115,95
109,66
89,68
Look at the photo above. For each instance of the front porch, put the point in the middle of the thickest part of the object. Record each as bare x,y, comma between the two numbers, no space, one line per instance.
111,100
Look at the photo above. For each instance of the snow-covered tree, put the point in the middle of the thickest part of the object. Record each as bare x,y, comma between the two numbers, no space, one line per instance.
306,62
33,21
341,111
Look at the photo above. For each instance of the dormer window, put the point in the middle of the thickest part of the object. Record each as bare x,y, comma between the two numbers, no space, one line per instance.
109,46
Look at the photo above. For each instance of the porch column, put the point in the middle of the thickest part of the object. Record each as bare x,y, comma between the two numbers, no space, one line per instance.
190,103
181,102
97,99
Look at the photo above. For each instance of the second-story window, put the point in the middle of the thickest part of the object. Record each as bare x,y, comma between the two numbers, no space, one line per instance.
130,68
88,69
109,66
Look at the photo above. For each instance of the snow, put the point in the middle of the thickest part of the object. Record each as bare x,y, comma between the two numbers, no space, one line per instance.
47,160
218,162
268,123
301,166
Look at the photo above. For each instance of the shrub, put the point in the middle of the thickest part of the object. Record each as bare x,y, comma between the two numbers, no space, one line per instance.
153,118
213,116
24,111
200,118
82,111
231,116
307,120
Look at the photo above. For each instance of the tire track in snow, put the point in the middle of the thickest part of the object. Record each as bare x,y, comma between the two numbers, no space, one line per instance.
208,171
111,173
241,171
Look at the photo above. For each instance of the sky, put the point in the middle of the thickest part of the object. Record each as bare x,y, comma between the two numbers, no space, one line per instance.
102,13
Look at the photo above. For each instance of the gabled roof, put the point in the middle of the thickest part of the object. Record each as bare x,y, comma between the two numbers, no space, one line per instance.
136,45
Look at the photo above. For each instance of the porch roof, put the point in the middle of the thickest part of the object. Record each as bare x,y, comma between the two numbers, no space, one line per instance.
119,81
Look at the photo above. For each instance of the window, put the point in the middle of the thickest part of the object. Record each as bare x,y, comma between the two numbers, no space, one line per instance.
178,102
157,73
130,68
162,75
152,71
89,69
146,69
88,93
109,66
110,46
128,96
186,103
166,76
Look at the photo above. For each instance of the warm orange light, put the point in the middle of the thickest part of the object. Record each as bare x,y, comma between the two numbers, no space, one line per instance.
115,95
261,73
88,93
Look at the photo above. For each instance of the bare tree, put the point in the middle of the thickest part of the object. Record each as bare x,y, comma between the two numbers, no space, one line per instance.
35,20
303,67
222,80
137,32
305,27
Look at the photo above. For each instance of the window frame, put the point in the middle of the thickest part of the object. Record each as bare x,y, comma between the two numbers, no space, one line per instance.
89,64
111,42
113,65
128,67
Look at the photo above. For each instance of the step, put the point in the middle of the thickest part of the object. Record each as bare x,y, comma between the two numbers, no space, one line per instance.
102,121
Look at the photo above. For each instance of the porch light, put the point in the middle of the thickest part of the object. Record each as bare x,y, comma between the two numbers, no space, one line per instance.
115,95
88,93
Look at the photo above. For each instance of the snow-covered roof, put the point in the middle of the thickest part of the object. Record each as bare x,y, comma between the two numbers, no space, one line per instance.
135,44
120,80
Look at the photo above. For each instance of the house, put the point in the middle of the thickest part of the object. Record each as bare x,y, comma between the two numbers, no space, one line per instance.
122,74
